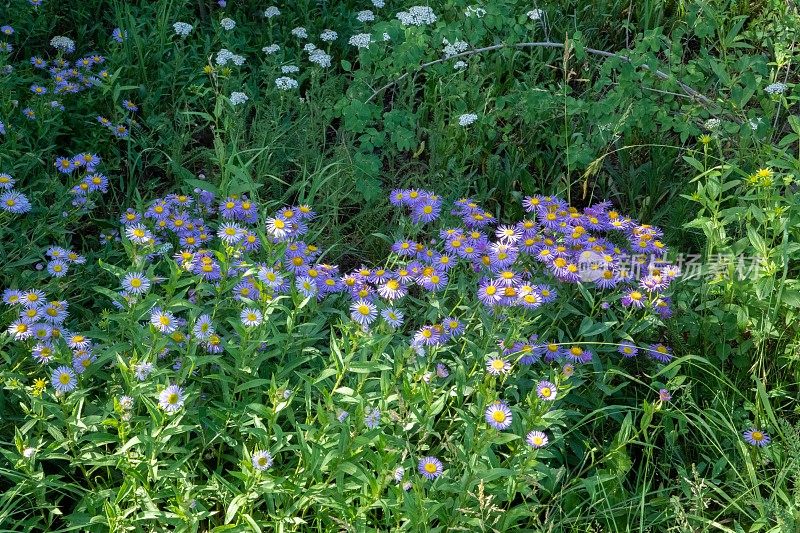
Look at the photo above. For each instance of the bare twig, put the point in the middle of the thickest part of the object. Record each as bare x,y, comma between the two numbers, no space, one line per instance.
689,91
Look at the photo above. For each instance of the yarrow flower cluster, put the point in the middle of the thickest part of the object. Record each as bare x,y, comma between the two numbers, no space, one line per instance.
271,12
365,16
417,16
775,88
224,56
320,57
360,40
227,24
63,44
238,98
328,36
285,83
182,29
454,48
467,119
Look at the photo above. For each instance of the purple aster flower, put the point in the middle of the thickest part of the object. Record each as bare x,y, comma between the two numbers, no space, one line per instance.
756,437
63,379
393,317
43,353
628,349
139,234
497,365
171,399
498,415
392,289
363,312
434,281
372,417
536,439
426,211
119,35
14,202
634,298
664,395
57,268
452,327
660,353
430,467
427,336
489,292
262,460
163,321
6,181
546,390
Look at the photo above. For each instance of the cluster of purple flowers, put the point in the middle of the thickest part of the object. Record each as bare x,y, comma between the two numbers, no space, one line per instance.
425,206
40,324
60,259
85,163
120,131
12,201
69,77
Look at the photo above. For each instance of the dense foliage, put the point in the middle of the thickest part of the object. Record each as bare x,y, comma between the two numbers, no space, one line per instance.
349,266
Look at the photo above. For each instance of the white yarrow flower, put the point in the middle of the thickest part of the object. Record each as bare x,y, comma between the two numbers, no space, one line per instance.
454,48
320,58
272,11
238,98
365,16
775,88
535,14
286,83
227,24
467,119
360,40
300,32
271,49
181,28
712,123
417,16
64,44
290,69
328,36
